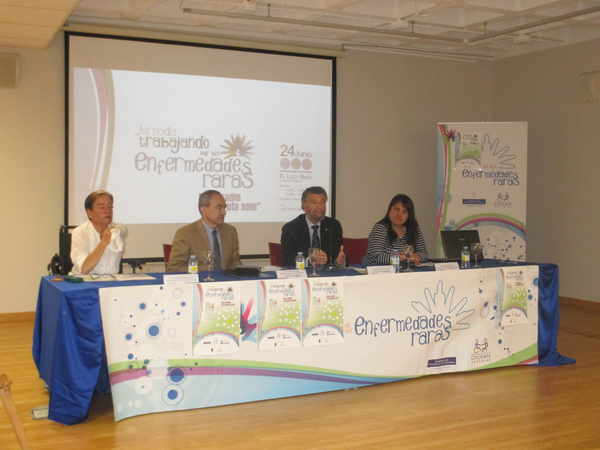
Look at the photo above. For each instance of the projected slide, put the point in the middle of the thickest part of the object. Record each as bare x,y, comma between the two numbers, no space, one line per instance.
157,123
158,139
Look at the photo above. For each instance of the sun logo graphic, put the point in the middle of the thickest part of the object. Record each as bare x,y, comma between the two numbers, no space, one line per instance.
495,156
237,146
442,303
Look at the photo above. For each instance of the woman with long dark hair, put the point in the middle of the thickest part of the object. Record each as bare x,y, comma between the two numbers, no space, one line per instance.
395,232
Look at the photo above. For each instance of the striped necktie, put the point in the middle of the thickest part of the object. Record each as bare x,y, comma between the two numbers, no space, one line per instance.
315,242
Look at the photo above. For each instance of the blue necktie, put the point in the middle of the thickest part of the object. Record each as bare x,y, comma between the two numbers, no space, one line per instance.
216,250
316,242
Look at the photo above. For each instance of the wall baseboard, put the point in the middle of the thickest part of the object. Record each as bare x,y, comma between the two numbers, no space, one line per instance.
26,316
590,305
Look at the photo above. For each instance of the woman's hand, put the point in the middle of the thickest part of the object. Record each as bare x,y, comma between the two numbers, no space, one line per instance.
94,258
106,236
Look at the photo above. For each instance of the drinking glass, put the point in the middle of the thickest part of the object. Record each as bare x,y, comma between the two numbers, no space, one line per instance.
209,260
408,252
313,260
340,264
477,254
395,260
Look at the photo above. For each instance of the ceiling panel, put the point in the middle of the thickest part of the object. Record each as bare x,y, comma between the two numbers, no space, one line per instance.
394,9
460,17
21,31
490,28
510,5
32,16
61,5
32,24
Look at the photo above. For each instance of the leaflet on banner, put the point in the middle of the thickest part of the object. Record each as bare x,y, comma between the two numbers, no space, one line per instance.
375,270
514,300
279,308
323,322
180,278
446,266
216,328
292,273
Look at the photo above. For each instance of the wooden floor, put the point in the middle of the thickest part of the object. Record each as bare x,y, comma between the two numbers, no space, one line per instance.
520,407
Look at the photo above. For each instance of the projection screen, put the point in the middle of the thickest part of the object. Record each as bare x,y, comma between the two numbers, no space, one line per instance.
155,123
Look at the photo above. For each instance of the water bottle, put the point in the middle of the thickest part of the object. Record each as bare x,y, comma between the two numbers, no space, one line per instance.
395,261
300,261
465,257
192,264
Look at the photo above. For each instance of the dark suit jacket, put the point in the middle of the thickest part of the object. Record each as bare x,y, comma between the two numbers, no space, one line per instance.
295,237
192,238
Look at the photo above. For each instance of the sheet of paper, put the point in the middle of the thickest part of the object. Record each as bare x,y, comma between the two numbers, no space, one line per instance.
292,273
514,300
133,277
94,277
280,325
446,266
323,322
217,324
374,270
180,278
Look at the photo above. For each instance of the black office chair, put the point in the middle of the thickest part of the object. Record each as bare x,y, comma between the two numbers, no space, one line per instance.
61,263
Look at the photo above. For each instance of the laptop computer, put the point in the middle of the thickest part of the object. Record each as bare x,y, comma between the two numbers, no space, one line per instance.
453,241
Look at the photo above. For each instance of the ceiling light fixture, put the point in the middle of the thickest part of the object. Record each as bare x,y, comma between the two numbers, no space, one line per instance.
439,54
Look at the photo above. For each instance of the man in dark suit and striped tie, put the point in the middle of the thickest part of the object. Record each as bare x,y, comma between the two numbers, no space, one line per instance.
312,230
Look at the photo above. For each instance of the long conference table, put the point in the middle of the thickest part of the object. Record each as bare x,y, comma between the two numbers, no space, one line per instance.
69,348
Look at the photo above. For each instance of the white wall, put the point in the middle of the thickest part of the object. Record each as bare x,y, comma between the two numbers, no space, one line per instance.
387,110
563,218
31,174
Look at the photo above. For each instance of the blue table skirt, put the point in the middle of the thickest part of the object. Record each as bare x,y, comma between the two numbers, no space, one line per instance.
68,342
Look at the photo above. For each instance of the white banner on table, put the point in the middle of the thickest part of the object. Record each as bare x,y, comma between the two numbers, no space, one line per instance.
280,306
481,185
394,328
217,329
323,322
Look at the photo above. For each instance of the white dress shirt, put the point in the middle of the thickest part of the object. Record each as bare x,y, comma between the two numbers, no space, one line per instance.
85,238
